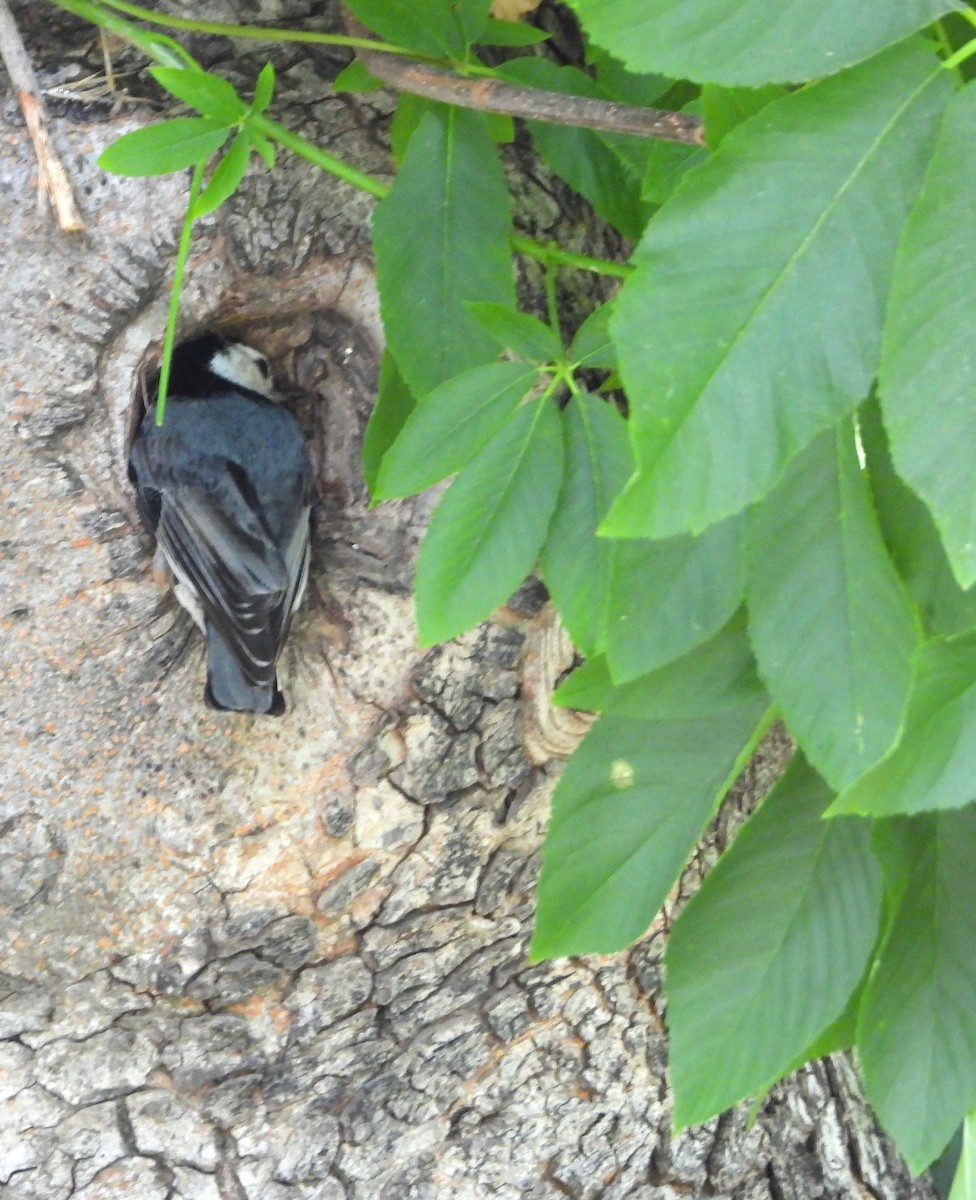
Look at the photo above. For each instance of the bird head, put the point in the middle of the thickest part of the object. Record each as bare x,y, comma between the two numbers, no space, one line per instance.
198,362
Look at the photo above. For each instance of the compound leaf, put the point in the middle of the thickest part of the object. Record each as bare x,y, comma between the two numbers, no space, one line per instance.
801,206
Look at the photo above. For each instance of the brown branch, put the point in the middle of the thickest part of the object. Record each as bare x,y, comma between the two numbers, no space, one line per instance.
534,104
52,177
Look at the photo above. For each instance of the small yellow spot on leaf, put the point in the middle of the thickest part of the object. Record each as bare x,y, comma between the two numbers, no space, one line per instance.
621,773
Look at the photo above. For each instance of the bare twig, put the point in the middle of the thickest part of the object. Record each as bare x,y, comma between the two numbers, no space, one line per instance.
52,177
492,95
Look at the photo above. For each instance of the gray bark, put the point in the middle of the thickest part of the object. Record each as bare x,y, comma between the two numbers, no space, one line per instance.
256,960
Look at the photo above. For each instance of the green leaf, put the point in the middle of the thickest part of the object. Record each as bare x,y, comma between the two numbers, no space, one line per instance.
587,689
636,795
226,177
801,207
839,1035
767,953
263,89
617,83
592,346
934,764
928,376
575,563
486,532
667,165
263,146
394,404
428,26
766,41
520,332
208,94
833,633
912,538
917,1033
441,237
451,425
168,146
501,128
667,597
355,78
964,1183
724,109
410,110
472,18
581,157
511,33
712,678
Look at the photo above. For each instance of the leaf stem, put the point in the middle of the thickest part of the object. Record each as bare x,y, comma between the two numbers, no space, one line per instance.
158,46
960,56
266,33
551,304
567,258
320,158
174,295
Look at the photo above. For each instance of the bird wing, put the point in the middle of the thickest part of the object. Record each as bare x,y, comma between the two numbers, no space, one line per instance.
224,552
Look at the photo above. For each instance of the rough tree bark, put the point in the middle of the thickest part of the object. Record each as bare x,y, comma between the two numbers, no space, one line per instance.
259,960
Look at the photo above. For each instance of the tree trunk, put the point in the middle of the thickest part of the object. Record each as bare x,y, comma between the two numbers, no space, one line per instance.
285,960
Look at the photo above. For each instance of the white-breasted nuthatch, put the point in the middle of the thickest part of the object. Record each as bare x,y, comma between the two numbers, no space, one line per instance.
226,486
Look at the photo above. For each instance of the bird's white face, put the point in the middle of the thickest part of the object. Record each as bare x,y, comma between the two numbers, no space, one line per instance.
244,366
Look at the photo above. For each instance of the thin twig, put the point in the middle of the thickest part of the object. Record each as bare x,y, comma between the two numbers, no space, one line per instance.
557,108
52,177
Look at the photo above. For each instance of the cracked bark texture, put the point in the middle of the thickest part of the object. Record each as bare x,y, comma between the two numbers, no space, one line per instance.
259,960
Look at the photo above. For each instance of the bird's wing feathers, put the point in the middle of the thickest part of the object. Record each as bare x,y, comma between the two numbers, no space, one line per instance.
234,567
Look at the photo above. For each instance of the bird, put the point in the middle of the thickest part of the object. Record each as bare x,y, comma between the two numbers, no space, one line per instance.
226,487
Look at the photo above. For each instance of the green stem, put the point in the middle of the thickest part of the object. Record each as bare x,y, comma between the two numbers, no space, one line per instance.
174,295
265,33
566,258
320,158
960,56
943,39
551,305
158,46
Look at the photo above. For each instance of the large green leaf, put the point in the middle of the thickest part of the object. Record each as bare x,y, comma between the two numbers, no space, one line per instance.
486,533
833,632
753,319
724,109
764,41
638,791
912,538
441,237
766,954
667,597
575,563
917,1032
928,373
933,766
448,427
